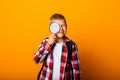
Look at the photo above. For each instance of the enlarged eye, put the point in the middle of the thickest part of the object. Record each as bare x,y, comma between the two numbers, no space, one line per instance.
54,27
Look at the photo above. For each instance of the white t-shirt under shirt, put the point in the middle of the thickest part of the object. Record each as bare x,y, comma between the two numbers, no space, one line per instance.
57,52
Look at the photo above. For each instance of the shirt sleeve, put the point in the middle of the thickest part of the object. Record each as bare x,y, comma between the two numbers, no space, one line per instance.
42,52
75,63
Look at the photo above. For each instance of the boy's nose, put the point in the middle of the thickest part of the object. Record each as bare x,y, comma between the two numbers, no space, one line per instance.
61,27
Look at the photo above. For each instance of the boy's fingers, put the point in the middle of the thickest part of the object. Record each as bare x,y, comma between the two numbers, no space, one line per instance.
54,36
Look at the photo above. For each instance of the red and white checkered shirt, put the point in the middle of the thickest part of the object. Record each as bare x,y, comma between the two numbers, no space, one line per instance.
67,71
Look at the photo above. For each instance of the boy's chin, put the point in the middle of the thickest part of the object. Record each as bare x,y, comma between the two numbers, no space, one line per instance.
60,36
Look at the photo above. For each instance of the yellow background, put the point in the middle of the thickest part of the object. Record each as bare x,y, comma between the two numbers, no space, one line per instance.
93,24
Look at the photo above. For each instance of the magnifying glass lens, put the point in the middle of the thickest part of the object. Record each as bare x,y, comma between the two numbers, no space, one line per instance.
54,27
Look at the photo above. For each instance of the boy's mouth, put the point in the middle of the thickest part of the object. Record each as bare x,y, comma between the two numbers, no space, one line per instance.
61,32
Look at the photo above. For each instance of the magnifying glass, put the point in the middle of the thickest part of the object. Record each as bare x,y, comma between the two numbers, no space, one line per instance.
54,27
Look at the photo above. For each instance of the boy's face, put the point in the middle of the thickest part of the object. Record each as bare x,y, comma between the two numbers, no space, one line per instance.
63,27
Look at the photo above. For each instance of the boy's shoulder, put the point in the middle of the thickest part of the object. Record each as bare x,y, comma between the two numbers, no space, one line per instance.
68,40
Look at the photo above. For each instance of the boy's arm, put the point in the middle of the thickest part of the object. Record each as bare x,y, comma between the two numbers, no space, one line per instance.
75,63
42,52
45,48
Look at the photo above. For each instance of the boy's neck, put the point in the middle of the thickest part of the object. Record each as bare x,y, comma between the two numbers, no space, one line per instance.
59,40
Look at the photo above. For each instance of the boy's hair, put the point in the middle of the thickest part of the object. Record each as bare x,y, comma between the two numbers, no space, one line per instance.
58,16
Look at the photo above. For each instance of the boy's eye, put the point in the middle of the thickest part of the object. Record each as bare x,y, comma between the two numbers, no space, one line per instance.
62,25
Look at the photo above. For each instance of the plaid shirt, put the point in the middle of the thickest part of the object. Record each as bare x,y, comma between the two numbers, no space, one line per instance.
67,71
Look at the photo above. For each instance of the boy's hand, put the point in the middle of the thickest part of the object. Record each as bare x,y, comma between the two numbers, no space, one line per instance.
52,39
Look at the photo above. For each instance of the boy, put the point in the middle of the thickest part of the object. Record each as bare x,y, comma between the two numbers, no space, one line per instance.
54,53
